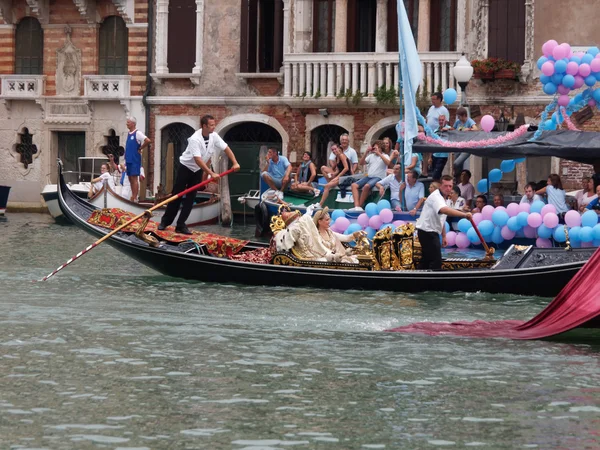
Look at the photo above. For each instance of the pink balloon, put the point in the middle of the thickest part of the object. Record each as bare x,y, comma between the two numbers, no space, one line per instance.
529,232
451,238
579,54
579,81
506,233
487,212
592,102
572,218
488,122
563,90
386,215
462,241
584,69
500,208
548,47
363,220
559,52
398,223
548,68
341,223
543,243
512,209
524,207
573,68
477,217
563,100
534,220
548,209
595,64
550,220
375,222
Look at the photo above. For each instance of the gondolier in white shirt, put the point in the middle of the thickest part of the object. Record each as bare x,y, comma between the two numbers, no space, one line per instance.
202,146
431,224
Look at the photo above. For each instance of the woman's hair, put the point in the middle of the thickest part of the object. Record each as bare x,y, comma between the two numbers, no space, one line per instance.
484,198
461,111
308,153
107,166
555,181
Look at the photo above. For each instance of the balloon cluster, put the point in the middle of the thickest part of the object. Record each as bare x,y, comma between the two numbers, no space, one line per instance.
377,216
537,221
564,71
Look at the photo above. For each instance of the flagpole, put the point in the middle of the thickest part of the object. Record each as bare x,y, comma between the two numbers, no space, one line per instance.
400,139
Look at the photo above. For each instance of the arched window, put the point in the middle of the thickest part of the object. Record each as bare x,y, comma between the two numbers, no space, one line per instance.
321,139
29,47
112,55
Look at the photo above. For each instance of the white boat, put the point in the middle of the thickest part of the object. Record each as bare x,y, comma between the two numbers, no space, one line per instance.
250,199
50,196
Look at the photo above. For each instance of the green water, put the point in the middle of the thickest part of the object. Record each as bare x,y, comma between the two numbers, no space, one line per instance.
109,354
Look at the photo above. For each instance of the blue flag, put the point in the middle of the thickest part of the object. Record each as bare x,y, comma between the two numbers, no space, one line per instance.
410,69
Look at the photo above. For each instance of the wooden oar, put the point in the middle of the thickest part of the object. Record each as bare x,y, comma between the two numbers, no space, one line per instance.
149,211
488,251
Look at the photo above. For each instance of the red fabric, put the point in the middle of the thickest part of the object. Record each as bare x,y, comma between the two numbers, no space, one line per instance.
576,304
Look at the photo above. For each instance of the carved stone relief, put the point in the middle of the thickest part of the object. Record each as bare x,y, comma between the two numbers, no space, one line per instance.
68,68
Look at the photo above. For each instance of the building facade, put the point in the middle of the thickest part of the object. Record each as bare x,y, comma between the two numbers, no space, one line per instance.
71,71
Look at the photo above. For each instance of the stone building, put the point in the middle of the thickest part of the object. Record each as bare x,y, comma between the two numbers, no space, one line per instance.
71,72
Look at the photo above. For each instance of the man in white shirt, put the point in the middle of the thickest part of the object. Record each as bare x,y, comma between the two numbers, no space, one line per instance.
414,193
377,162
348,151
436,110
530,195
193,163
431,224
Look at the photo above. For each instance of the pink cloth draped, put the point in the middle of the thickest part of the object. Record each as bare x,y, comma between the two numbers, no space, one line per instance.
576,304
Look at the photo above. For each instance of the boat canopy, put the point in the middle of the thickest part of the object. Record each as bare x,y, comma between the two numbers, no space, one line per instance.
581,146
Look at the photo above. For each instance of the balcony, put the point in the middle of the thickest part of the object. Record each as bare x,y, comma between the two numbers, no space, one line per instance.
106,87
23,86
327,75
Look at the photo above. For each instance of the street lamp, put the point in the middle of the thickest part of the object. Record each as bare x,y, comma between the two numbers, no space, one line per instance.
463,71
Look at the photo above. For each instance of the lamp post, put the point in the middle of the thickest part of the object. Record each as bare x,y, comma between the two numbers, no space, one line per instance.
463,71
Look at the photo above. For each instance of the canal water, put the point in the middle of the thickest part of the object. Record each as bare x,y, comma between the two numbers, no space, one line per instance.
110,354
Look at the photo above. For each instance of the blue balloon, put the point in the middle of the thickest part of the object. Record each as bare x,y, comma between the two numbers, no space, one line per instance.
545,79
497,236
537,206
508,165
522,218
544,232
596,95
447,227
587,58
383,204
337,213
560,66
370,232
559,234
513,223
495,175
549,125
557,118
586,234
486,227
596,242
353,227
574,233
578,98
550,88
450,96
590,80
568,81
589,219
596,230
371,209
482,185
575,59
464,225
520,160
540,62
500,217
598,76
557,79
593,51
473,237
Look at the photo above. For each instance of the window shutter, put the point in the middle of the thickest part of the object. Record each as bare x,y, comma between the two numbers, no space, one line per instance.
29,47
181,51
113,41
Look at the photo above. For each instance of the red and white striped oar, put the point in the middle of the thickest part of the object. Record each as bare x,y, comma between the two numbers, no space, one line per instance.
116,230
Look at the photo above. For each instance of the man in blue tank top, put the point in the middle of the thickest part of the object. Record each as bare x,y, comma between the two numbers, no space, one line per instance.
134,147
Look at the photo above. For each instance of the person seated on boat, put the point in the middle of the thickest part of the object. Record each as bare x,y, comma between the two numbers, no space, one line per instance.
305,178
455,201
350,153
413,192
585,195
530,196
556,195
125,184
333,176
332,241
594,204
467,190
277,170
480,202
376,160
438,160
463,121
97,183
498,200
412,161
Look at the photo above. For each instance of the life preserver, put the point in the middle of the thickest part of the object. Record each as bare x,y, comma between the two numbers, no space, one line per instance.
261,217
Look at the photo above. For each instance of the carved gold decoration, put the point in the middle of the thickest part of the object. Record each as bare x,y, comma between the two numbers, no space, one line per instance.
147,238
289,259
383,248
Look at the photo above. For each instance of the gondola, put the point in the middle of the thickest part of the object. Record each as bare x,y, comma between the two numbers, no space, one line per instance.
528,271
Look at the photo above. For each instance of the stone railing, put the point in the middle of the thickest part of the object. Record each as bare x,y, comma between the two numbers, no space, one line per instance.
106,86
23,86
333,74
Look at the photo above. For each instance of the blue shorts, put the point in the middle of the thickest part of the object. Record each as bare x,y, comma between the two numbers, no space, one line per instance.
395,204
276,181
133,169
371,181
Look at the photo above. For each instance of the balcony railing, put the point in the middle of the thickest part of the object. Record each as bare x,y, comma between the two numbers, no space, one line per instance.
106,86
23,86
332,74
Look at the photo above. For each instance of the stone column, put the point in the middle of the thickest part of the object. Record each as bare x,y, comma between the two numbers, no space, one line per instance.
199,37
286,28
162,35
423,33
381,27
341,26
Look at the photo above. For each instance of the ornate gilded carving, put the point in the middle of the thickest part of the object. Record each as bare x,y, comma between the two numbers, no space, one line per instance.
288,259
147,238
